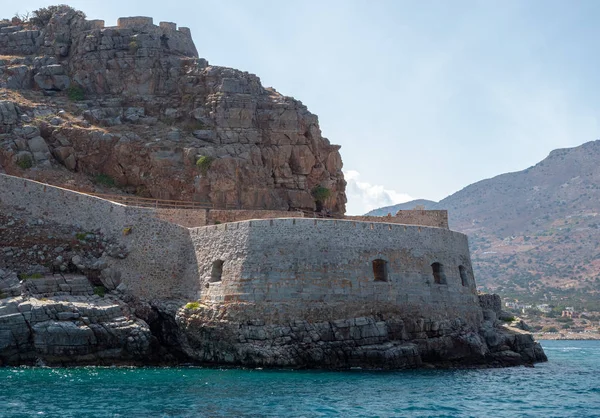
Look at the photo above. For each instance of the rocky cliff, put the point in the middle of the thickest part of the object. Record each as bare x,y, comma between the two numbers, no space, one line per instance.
133,108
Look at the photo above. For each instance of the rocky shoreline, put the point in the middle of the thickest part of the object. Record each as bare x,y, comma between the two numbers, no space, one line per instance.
58,321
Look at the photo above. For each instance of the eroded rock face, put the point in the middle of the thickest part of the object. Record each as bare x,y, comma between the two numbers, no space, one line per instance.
58,320
135,103
226,334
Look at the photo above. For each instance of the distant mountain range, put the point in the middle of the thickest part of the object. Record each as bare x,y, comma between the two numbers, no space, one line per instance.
534,234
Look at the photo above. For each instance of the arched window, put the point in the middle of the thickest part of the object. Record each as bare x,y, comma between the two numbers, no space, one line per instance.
380,270
439,276
217,271
463,275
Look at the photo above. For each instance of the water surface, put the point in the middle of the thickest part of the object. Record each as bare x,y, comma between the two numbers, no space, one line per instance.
567,386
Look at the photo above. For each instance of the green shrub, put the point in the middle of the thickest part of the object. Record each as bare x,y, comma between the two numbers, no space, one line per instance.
192,305
133,46
3,295
41,17
75,93
81,236
24,276
204,163
25,162
104,180
320,193
508,318
100,291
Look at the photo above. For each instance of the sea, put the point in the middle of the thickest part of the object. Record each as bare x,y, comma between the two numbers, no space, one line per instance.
567,386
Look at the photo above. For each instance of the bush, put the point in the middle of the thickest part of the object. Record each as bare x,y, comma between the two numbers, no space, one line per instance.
24,276
81,236
75,93
41,17
25,162
100,291
104,180
204,163
192,305
3,295
133,46
508,318
320,193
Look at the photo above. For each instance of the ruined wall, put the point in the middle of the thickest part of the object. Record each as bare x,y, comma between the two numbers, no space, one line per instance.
160,261
306,262
436,218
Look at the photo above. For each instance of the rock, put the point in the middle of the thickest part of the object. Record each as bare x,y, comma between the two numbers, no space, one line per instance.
8,116
52,77
39,148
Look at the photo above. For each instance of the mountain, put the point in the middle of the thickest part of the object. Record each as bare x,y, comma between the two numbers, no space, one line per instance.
534,234
423,203
132,108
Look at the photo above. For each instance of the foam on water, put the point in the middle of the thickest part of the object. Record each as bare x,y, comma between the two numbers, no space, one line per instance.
568,385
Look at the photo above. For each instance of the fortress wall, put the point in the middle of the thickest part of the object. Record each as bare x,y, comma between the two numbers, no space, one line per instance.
189,218
436,218
134,22
307,262
161,261
223,216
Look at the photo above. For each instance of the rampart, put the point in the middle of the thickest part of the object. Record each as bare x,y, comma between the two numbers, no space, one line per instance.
295,263
436,218
26,40
161,261
307,262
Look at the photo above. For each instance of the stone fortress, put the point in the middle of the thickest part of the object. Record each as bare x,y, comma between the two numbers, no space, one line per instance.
261,285
393,293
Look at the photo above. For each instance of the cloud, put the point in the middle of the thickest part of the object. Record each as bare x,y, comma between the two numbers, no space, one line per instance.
364,196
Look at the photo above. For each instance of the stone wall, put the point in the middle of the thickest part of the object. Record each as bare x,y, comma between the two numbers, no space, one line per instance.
285,268
302,263
160,263
223,216
436,218
189,218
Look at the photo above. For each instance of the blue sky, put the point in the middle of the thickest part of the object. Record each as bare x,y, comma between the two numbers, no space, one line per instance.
425,97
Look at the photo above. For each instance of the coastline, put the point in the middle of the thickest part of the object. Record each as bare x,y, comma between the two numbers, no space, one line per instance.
592,336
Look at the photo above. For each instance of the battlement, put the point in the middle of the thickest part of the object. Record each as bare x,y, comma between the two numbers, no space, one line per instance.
435,218
134,22
142,22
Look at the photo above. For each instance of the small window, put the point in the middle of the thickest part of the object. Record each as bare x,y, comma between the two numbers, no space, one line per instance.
217,271
463,275
438,273
380,270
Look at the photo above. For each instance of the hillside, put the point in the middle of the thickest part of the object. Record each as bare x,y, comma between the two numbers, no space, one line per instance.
131,108
534,234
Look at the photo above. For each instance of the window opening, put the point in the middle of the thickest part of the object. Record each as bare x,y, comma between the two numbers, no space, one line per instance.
380,270
217,271
438,273
463,275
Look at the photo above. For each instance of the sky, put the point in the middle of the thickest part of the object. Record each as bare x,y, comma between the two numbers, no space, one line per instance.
425,97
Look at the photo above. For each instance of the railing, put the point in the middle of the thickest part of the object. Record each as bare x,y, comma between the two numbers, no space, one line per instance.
151,202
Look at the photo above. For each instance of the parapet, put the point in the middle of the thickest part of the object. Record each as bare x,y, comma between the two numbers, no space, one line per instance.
168,25
95,24
134,22
435,218
186,31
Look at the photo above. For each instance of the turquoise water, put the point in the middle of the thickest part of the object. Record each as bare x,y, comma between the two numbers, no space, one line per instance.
567,386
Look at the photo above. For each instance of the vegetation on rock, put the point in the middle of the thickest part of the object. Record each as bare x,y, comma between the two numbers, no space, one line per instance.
204,163
41,17
75,93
